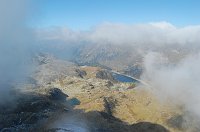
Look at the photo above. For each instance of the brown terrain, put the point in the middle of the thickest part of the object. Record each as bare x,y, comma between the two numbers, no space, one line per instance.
88,99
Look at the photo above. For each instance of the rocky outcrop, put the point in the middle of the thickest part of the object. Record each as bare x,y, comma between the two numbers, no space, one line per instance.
185,121
104,74
81,73
56,94
109,84
30,112
148,127
177,121
134,71
109,105
50,69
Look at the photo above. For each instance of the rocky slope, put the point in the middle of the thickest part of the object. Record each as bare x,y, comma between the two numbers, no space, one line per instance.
116,57
127,58
86,99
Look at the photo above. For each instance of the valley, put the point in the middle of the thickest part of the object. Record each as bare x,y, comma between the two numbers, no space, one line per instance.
87,99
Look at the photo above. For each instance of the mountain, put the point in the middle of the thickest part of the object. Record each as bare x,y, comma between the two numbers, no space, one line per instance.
116,57
68,97
127,59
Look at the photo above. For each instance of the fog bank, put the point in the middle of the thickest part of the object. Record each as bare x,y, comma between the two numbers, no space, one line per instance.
178,83
154,34
15,44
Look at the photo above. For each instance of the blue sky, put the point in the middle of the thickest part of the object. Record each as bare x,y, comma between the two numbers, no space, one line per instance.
83,14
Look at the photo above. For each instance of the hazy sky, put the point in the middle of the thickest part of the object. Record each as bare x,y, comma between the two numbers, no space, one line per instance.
82,14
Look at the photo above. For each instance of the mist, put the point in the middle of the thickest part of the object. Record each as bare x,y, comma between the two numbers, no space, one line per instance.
163,37
155,34
16,45
176,83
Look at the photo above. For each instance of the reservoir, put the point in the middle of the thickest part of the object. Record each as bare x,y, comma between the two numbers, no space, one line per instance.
123,78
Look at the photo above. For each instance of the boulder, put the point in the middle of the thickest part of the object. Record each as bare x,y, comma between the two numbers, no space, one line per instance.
104,74
56,94
109,84
81,73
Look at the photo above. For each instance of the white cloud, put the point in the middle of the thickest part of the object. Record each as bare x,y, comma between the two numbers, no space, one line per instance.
163,25
15,44
175,83
155,34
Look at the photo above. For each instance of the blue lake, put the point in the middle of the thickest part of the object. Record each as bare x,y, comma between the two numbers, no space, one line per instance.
123,78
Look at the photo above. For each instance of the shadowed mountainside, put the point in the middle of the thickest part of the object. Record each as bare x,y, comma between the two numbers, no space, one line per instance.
36,112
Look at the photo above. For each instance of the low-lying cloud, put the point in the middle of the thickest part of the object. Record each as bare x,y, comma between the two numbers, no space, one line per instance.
178,83
15,44
154,34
